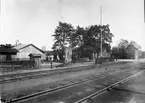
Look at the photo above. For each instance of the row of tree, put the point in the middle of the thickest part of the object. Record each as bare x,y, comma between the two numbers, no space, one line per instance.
126,50
84,38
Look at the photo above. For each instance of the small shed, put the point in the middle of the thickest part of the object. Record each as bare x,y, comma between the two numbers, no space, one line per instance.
36,58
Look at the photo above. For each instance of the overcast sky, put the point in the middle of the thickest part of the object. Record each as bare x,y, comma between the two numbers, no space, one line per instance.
34,21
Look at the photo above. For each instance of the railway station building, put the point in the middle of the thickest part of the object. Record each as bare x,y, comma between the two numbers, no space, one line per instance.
25,49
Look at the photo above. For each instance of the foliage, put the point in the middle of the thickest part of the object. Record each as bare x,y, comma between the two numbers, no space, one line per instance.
63,35
94,38
123,43
6,46
142,54
131,49
80,35
125,49
88,39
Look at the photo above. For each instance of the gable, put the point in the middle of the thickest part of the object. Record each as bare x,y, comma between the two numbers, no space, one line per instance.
30,49
23,46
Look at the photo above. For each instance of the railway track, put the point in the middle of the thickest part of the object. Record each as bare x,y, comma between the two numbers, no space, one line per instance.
58,88
35,95
96,94
41,74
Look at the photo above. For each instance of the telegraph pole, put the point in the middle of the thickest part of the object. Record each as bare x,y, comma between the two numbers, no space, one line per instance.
101,28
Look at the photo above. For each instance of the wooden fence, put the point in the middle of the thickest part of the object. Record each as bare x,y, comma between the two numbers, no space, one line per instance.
15,65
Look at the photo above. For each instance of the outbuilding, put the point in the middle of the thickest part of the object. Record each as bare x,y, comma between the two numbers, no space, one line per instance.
36,58
7,53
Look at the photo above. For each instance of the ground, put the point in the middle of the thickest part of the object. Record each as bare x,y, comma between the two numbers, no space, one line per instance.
21,88
132,91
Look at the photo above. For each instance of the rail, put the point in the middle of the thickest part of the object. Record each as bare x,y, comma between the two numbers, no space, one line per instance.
109,87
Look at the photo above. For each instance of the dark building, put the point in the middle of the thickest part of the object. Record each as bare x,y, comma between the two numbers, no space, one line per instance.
6,53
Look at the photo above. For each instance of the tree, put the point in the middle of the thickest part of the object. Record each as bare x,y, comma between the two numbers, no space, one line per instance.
63,37
123,43
6,46
131,50
143,54
80,38
115,53
126,49
84,38
80,35
120,50
94,38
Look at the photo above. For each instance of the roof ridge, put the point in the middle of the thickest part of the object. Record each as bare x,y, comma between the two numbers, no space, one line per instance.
25,45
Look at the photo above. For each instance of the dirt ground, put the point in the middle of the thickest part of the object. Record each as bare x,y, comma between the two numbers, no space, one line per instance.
21,88
132,91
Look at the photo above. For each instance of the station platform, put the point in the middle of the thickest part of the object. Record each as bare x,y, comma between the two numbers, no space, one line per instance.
46,67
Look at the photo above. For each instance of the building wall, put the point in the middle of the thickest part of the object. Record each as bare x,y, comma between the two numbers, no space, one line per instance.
23,53
2,57
104,54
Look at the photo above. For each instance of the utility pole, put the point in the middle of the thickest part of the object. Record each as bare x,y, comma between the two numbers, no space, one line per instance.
144,11
101,28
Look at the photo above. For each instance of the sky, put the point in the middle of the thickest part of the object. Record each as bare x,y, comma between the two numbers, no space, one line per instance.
34,21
